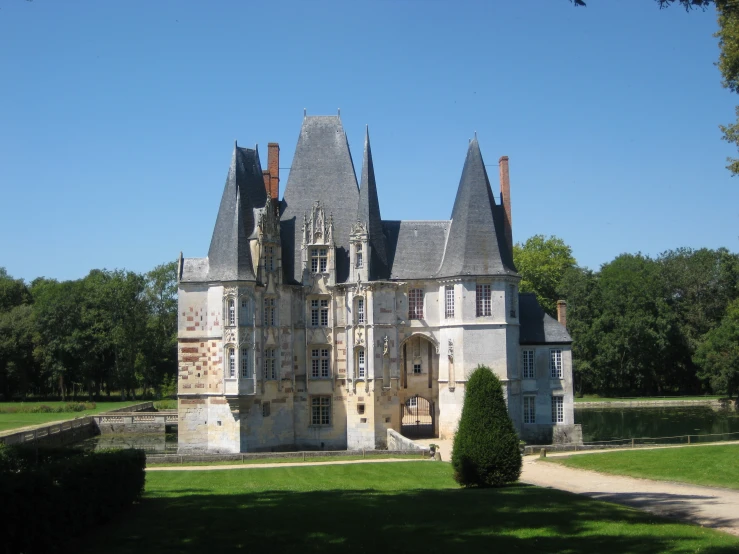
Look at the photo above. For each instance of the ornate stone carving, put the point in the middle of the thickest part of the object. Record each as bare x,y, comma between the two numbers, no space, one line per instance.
229,335
385,347
450,351
269,224
359,228
230,291
317,228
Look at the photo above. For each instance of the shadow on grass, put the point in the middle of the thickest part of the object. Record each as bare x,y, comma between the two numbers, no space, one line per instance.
519,518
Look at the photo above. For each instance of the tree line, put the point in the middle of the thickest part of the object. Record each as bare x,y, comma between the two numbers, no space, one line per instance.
110,331
641,325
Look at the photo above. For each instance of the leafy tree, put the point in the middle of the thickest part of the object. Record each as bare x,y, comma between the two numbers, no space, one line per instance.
485,452
18,370
542,262
718,354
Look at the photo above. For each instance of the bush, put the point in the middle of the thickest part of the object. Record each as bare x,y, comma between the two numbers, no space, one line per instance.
486,447
63,492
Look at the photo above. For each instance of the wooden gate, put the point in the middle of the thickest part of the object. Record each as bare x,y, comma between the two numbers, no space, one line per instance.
417,420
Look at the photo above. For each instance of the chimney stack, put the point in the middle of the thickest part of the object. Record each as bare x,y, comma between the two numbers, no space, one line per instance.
273,164
505,199
562,312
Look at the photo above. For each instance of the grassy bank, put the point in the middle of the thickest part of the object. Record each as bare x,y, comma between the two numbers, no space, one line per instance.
405,507
10,419
295,460
596,398
714,466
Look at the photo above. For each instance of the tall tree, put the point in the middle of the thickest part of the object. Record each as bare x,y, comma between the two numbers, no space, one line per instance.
718,354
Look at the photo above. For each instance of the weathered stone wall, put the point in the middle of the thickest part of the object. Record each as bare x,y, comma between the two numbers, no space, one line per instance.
396,441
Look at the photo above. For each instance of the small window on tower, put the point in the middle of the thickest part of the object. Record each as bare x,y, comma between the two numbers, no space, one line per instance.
360,409
359,256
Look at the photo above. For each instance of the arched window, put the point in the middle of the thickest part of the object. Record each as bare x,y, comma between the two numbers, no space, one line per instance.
231,311
361,371
232,362
360,310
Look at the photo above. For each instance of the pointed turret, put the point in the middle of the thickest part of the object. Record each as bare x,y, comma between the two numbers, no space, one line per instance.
476,243
229,255
369,214
322,171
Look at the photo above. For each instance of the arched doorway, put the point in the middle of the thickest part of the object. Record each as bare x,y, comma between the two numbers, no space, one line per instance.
417,418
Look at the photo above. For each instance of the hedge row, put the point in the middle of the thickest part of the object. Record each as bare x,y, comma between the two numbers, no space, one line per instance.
69,407
62,493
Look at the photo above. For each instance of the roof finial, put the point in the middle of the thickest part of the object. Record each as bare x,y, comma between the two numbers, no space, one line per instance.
236,143
475,135
339,109
305,112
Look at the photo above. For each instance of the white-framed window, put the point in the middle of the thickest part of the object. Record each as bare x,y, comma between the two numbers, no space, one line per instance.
231,311
527,357
529,409
417,368
449,301
231,362
269,258
318,260
415,304
359,255
484,298
269,311
270,373
320,407
514,299
360,310
246,372
320,363
245,313
361,368
555,363
265,409
319,312
558,409
413,402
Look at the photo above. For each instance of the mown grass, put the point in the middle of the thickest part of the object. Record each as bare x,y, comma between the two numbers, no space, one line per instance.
295,460
405,507
596,398
9,421
708,465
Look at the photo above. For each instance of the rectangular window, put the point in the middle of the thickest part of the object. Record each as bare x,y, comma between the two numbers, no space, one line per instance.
320,363
269,365
484,300
529,409
416,369
319,260
265,409
269,312
232,363
555,363
315,313
245,316
360,260
245,364
319,312
558,411
324,313
449,301
269,258
360,310
320,410
528,364
415,304
360,364
231,311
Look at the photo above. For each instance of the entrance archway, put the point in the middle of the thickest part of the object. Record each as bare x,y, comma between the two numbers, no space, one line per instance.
417,418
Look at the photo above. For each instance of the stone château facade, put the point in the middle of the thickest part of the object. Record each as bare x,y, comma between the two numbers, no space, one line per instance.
314,323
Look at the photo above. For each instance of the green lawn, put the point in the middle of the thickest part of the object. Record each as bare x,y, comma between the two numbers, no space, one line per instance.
18,420
596,398
411,507
295,460
714,466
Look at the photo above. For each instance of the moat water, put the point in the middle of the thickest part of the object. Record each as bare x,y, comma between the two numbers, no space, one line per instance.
598,424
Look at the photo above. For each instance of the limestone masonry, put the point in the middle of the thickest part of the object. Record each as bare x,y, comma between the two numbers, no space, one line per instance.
315,324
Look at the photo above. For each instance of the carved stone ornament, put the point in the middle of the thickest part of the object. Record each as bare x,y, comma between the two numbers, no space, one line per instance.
385,347
230,291
269,224
229,335
450,352
317,228
359,228
360,338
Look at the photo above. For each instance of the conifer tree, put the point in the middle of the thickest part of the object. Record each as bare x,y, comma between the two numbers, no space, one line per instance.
486,452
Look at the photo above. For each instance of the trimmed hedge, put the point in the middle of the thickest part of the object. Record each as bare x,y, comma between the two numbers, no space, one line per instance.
486,451
62,493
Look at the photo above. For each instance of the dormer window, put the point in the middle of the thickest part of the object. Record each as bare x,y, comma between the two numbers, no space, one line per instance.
358,255
415,304
319,260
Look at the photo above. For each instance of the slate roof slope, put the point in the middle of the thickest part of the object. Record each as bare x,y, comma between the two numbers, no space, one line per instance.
538,327
229,256
194,270
322,170
415,248
369,213
476,244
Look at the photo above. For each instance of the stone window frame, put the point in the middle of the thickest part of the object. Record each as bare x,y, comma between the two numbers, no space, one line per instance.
269,304
360,311
230,366
359,255
319,310
269,257
558,411
319,259
483,299
270,364
419,367
529,409
246,364
448,301
361,363
245,310
265,409
555,363
321,410
416,297
528,370
320,357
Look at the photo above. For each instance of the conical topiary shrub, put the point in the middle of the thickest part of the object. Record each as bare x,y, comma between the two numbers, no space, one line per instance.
485,452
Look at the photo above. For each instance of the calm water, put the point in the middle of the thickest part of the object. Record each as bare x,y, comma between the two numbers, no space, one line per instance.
157,443
626,423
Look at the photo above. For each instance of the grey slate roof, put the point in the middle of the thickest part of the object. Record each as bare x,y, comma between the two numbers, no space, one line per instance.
369,213
229,256
538,327
476,243
415,248
194,270
322,169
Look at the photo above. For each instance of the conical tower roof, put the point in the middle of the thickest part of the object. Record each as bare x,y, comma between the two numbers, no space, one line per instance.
369,213
476,243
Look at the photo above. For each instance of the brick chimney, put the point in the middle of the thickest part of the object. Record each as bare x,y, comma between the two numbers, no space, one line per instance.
273,164
562,312
505,199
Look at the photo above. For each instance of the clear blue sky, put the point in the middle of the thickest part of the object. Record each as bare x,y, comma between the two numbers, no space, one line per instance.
118,118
